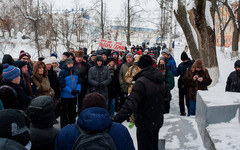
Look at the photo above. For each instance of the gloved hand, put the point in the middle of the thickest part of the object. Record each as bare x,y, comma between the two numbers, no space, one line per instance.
75,92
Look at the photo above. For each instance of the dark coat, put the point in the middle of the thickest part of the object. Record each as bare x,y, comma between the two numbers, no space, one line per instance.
233,82
194,86
82,71
94,119
43,133
25,81
98,75
145,100
182,68
13,100
53,79
112,87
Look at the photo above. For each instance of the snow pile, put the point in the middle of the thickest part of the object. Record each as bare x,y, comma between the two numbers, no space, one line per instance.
226,135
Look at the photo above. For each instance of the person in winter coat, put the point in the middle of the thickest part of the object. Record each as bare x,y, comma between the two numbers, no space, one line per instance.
196,78
55,65
169,79
82,71
40,78
99,77
26,82
94,118
233,80
14,131
70,84
112,89
11,93
146,102
42,117
171,62
7,59
53,79
182,68
121,77
105,59
115,55
64,57
24,56
91,61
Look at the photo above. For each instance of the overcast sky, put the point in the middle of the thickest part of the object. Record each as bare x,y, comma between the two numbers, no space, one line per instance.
114,7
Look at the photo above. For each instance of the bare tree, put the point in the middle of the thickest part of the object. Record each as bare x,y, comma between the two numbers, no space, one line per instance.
201,17
234,15
31,10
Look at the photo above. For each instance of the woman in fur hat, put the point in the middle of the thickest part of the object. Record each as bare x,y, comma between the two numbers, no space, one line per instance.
196,78
40,78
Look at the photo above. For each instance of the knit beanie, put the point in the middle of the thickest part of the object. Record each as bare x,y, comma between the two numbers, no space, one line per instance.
41,58
66,54
69,61
237,64
20,64
23,53
93,100
54,54
115,53
10,72
165,50
13,126
130,54
184,56
54,59
7,59
47,61
145,61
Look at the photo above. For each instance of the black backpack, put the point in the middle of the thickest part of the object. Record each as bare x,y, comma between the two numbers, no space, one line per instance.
94,141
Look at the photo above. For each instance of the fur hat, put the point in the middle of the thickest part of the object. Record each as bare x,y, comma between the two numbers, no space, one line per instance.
130,54
13,125
145,61
69,61
23,53
198,64
99,58
111,59
93,100
184,56
7,59
10,72
166,51
237,64
79,53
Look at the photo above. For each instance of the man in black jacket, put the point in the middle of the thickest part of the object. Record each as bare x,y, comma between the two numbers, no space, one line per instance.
182,68
146,102
233,80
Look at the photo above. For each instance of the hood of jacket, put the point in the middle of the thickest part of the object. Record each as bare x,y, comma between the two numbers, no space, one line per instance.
8,144
41,112
94,119
150,73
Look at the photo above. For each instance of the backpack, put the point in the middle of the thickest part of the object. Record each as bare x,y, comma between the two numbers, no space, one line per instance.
94,141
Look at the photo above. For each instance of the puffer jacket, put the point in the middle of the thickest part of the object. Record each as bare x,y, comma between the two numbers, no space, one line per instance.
94,119
42,117
68,81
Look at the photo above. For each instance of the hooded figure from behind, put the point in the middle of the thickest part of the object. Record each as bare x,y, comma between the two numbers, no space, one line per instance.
42,117
94,118
14,132
99,77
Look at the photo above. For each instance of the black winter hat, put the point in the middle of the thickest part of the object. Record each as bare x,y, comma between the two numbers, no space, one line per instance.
41,58
184,56
7,59
99,58
145,61
93,100
20,64
237,64
41,111
111,59
13,126
66,54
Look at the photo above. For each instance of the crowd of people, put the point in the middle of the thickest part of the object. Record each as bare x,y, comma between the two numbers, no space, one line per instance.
103,89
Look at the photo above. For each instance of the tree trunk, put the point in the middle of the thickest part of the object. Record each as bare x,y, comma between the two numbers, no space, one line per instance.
181,16
222,40
235,40
36,37
128,24
102,19
170,26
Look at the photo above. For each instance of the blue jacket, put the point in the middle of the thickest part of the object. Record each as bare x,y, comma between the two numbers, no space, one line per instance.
68,81
94,119
171,65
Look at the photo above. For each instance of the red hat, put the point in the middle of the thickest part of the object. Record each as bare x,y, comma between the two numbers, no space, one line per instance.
23,53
